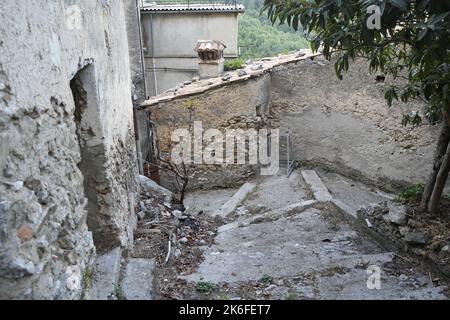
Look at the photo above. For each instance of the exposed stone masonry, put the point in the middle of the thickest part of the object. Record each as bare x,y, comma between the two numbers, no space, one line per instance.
63,148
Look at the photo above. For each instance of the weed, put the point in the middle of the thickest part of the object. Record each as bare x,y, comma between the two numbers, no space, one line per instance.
233,64
223,296
290,296
119,292
205,287
266,278
411,193
88,276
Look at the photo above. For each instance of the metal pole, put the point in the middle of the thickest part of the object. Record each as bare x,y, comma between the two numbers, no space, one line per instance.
141,47
288,154
153,56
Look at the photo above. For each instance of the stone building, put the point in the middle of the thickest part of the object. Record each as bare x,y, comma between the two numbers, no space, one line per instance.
340,124
68,157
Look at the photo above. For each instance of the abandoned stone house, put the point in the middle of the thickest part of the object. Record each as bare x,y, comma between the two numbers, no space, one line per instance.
74,127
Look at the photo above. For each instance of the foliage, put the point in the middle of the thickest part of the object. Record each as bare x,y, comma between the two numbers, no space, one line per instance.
266,278
88,276
120,295
412,118
411,193
258,38
205,287
233,64
291,296
413,42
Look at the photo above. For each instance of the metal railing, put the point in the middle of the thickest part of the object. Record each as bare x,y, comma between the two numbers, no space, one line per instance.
287,159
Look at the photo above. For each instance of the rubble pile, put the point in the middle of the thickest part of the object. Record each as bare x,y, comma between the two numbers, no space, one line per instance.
424,236
167,231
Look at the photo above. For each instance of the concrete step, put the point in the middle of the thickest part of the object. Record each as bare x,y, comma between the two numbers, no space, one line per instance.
137,283
313,246
286,247
349,195
106,276
352,285
321,193
268,216
276,192
235,200
152,187
207,201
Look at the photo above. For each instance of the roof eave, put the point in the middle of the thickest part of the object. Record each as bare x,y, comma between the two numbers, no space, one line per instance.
146,11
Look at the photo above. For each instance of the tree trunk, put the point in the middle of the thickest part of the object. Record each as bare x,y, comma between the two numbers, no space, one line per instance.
441,152
441,179
443,142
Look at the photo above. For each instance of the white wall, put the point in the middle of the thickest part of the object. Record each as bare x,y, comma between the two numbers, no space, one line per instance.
175,37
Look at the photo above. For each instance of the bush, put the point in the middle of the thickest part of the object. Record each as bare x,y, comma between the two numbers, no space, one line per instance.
205,287
412,193
266,278
233,64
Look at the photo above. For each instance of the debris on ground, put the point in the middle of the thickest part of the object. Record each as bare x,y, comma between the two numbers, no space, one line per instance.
413,231
188,246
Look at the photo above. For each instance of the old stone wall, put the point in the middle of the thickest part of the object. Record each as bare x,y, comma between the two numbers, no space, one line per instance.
347,125
343,125
65,108
236,106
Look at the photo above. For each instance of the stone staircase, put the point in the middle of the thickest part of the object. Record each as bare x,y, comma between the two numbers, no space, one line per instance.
289,228
117,278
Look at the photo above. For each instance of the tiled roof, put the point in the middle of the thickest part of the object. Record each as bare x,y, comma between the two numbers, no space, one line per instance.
209,45
208,7
252,70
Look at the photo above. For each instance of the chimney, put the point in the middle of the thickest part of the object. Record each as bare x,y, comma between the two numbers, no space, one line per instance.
211,62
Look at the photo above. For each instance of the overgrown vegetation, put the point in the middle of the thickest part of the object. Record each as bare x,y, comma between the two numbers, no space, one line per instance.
205,287
88,277
291,296
120,295
233,64
411,193
266,278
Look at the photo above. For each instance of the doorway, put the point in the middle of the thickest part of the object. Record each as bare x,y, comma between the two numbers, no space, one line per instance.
93,158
